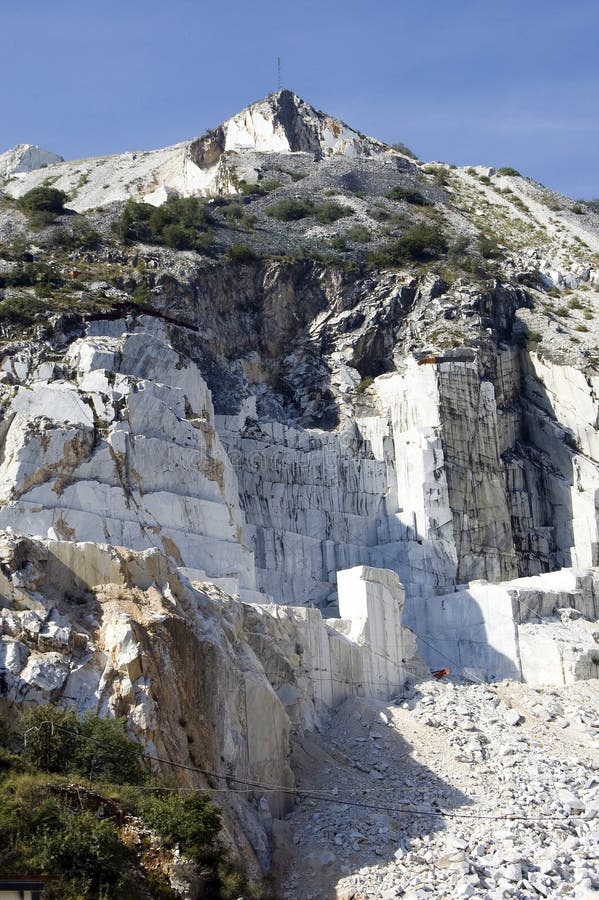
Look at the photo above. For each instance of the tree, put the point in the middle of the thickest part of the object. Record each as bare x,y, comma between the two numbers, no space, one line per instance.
44,199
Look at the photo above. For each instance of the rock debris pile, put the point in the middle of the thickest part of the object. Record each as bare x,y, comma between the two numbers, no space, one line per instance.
467,791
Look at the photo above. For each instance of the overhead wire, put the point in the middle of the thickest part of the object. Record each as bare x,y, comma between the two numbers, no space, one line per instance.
317,796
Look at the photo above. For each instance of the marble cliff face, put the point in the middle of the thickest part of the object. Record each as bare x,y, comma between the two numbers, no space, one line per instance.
227,505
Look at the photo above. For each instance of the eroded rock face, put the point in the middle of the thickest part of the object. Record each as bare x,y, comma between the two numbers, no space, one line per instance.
455,468
112,630
232,528
122,448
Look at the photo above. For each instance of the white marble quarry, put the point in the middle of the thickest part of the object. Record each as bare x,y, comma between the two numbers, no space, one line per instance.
119,444
317,502
125,452
367,652
450,481
563,409
541,629
439,489
372,601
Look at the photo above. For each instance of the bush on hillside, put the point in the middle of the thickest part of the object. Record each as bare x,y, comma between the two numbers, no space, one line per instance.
291,210
408,195
241,253
402,148
330,211
41,830
54,821
180,223
41,205
89,746
42,199
488,246
359,234
418,243
190,821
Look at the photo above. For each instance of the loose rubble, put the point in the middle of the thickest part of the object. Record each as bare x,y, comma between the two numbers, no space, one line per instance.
472,791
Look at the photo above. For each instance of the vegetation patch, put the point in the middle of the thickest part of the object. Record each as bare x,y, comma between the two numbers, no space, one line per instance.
41,205
408,195
359,234
70,798
420,242
180,223
402,148
292,210
330,211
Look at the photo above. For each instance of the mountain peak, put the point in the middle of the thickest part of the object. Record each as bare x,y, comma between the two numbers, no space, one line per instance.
25,158
284,123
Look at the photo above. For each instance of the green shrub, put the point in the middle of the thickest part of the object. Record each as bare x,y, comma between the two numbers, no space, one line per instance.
508,170
42,199
83,236
533,336
178,237
106,751
21,310
142,295
52,824
41,830
233,212
379,214
420,242
359,234
32,274
258,189
440,175
338,242
290,210
180,223
91,746
132,224
365,384
190,821
488,246
402,148
330,211
409,195
459,247
242,253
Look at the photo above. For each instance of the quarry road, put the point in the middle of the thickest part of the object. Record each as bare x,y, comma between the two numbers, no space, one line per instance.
484,791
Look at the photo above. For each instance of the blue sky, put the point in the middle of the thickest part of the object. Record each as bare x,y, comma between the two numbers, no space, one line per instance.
515,83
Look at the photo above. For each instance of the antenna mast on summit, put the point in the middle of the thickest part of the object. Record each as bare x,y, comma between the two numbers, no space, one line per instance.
278,73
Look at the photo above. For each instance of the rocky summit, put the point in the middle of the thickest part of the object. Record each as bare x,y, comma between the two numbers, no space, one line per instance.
299,475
